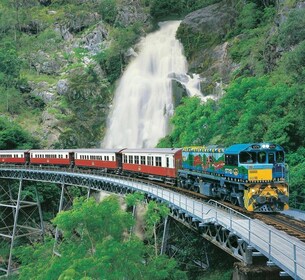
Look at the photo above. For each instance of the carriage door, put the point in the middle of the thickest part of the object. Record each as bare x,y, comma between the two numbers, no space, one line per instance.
72,159
119,160
27,158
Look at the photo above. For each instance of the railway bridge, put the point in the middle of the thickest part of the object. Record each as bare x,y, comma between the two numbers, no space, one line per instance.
242,237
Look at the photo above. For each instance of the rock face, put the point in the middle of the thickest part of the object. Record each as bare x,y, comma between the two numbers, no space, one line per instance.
214,19
93,41
130,12
211,61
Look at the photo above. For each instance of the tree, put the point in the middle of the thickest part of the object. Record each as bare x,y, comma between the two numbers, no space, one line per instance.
96,245
12,136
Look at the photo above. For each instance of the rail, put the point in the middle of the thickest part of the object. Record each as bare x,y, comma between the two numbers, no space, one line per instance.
286,252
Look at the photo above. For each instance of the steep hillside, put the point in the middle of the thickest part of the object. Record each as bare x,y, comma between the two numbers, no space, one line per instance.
59,62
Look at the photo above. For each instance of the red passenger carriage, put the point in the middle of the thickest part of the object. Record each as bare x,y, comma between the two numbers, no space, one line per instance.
51,157
98,158
156,164
13,156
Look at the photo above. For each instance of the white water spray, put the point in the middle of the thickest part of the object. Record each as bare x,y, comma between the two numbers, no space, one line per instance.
143,100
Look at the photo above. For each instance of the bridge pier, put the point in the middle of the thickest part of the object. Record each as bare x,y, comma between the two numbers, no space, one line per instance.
256,271
17,219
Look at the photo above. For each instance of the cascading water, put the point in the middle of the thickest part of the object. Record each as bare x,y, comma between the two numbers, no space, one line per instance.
143,100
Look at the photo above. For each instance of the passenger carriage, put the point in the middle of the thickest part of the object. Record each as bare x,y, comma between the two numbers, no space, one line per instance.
51,157
13,156
159,164
98,158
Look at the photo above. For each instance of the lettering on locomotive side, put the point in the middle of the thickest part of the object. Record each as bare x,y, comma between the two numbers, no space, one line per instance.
228,170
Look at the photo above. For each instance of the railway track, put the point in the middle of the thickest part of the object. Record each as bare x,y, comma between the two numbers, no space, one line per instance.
289,225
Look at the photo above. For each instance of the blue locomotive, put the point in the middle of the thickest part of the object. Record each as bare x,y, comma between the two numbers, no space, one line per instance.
253,176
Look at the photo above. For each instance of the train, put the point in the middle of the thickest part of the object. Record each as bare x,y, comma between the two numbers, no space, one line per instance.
253,176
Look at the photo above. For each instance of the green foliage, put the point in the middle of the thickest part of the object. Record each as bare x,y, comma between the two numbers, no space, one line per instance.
108,9
95,247
9,66
112,59
12,136
252,110
194,41
249,17
296,162
190,122
86,110
293,63
134,198
292,30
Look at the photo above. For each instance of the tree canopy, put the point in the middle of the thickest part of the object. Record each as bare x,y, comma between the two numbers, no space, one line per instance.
96,244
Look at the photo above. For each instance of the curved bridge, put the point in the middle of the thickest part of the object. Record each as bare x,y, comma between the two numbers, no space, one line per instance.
235,233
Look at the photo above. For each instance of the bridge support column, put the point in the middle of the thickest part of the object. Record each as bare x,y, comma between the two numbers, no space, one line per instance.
248,255
18,218
61,202
165,235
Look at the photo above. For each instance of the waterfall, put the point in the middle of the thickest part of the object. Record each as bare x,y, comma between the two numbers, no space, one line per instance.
142,102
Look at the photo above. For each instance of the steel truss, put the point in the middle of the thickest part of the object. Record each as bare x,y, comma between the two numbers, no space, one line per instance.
19,218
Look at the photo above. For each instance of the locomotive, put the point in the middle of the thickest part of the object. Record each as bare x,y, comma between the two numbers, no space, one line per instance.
253,176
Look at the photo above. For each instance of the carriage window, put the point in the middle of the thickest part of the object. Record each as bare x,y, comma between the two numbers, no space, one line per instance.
149,160
130,159
158,161
247,157
143,161
271,158
231,160
112,158
125,159
167,162
136,159
280,157
261,157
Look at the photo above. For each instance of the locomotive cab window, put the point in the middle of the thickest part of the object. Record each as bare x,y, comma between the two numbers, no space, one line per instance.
247,157
280,157
231,160
261,157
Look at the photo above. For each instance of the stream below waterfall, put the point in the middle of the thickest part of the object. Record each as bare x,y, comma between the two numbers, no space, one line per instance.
143,100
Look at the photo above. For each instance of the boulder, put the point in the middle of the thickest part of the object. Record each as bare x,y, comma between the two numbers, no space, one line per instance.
93,41
62,87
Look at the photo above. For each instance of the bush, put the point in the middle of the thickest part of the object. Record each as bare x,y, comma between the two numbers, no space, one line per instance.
292,31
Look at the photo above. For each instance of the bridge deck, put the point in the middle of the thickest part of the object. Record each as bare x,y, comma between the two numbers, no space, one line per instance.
283,250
